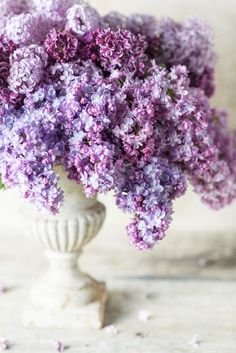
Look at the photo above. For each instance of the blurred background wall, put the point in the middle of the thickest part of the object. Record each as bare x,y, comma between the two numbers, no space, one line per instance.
191,216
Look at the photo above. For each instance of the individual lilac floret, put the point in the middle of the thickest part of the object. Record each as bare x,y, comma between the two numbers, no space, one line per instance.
190,44
121,49
3,287
27,68
58,346
3,344
62,74
82,18
61,45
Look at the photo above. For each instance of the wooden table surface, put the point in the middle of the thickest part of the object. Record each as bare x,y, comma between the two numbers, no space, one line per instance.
191,302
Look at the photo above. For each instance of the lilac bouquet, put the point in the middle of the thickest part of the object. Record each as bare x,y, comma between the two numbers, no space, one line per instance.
120,103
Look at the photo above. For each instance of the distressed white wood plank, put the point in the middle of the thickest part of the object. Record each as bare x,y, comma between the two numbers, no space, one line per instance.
180,307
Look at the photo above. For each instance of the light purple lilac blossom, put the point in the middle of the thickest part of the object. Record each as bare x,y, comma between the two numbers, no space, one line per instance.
53,7
27,68
114,21
9,8
21,29
121,103
191,44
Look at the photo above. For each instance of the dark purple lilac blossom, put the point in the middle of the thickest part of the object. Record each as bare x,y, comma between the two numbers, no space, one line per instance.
121,50
7,47
120,103
61,45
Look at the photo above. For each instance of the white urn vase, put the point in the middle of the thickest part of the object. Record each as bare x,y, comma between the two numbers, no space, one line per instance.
65,297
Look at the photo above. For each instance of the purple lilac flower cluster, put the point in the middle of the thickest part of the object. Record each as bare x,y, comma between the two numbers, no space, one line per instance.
120,103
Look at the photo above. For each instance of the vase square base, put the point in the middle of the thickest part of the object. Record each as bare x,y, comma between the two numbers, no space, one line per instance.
90,316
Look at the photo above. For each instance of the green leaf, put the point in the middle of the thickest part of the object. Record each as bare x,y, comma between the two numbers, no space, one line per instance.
171,92
2,186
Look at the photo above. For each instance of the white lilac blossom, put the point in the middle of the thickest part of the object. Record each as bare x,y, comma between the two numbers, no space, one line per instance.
82,18
120,103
